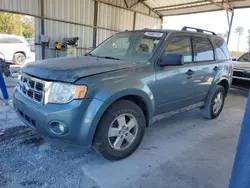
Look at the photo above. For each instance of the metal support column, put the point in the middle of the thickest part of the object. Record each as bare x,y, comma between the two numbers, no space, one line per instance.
241,168
230,27
95,24
134,20
161,22
228,20
42,28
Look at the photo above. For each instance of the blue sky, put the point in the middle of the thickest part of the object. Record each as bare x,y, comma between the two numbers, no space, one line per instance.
214,21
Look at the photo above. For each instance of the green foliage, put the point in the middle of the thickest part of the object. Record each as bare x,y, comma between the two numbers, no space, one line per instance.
17,24
236,53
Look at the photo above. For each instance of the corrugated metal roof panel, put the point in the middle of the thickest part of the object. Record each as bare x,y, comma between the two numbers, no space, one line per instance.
79,11
113,18
178,7
141,8
163,3
30,7
190,10
153,14
116,2
143,21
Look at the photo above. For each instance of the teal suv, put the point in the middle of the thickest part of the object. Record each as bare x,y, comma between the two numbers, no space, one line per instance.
108,97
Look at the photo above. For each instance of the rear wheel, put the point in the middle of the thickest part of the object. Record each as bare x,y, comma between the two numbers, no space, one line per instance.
19,58
120,130
214,103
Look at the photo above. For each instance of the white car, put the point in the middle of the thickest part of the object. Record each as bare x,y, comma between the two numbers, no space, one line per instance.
14,48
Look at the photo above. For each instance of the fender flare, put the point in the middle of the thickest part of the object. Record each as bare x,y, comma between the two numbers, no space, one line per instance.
148,99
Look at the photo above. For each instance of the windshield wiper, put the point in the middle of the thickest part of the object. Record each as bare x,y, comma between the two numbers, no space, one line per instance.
88,54
108,57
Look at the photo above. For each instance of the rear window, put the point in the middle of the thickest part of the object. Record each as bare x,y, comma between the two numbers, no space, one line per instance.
221,49
10,40
203,50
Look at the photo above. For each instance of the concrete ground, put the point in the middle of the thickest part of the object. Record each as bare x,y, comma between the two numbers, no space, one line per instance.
184,151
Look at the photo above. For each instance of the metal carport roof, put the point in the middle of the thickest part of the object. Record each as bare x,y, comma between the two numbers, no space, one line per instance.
178,7
96,20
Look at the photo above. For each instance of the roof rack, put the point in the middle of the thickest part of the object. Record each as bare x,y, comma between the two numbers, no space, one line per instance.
185,28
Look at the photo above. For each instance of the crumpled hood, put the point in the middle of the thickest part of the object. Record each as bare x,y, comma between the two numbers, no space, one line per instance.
70,69
241,65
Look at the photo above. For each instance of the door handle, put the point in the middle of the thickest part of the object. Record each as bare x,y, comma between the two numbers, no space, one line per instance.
190,72
216,68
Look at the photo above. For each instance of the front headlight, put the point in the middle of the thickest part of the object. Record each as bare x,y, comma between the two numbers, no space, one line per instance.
62,93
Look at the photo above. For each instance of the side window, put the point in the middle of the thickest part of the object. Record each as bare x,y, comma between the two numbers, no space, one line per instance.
14,40
180,45
221,49
9,40
203,50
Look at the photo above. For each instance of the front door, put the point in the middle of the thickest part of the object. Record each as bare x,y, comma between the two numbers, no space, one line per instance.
175,86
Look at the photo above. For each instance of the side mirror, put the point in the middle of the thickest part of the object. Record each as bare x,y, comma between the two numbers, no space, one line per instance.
234,59
171,59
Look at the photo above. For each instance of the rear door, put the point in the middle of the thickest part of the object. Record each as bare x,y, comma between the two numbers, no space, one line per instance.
204,56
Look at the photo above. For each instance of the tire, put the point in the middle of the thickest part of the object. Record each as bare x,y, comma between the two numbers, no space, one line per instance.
208,111
108,146
19,58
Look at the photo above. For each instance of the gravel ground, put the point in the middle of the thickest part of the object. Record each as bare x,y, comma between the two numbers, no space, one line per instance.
184,151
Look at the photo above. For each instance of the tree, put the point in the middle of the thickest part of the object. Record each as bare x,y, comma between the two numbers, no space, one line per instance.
6,23
28,27
17,24
239,31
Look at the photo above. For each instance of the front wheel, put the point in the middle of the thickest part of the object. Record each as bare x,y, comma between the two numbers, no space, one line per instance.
120,130
214,103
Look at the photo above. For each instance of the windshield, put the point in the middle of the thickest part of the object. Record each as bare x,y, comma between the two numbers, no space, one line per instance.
129,46
245,58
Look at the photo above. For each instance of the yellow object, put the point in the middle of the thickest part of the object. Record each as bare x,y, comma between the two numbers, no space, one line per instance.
80,92
59,46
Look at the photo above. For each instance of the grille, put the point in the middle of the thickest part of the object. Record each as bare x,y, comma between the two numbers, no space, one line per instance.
238,73
27,118
245,74
32,88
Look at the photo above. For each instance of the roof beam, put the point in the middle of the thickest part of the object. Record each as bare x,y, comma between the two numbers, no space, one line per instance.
179,5
181,8
151,9
125,2
218,5
117,6
134,4
228,3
